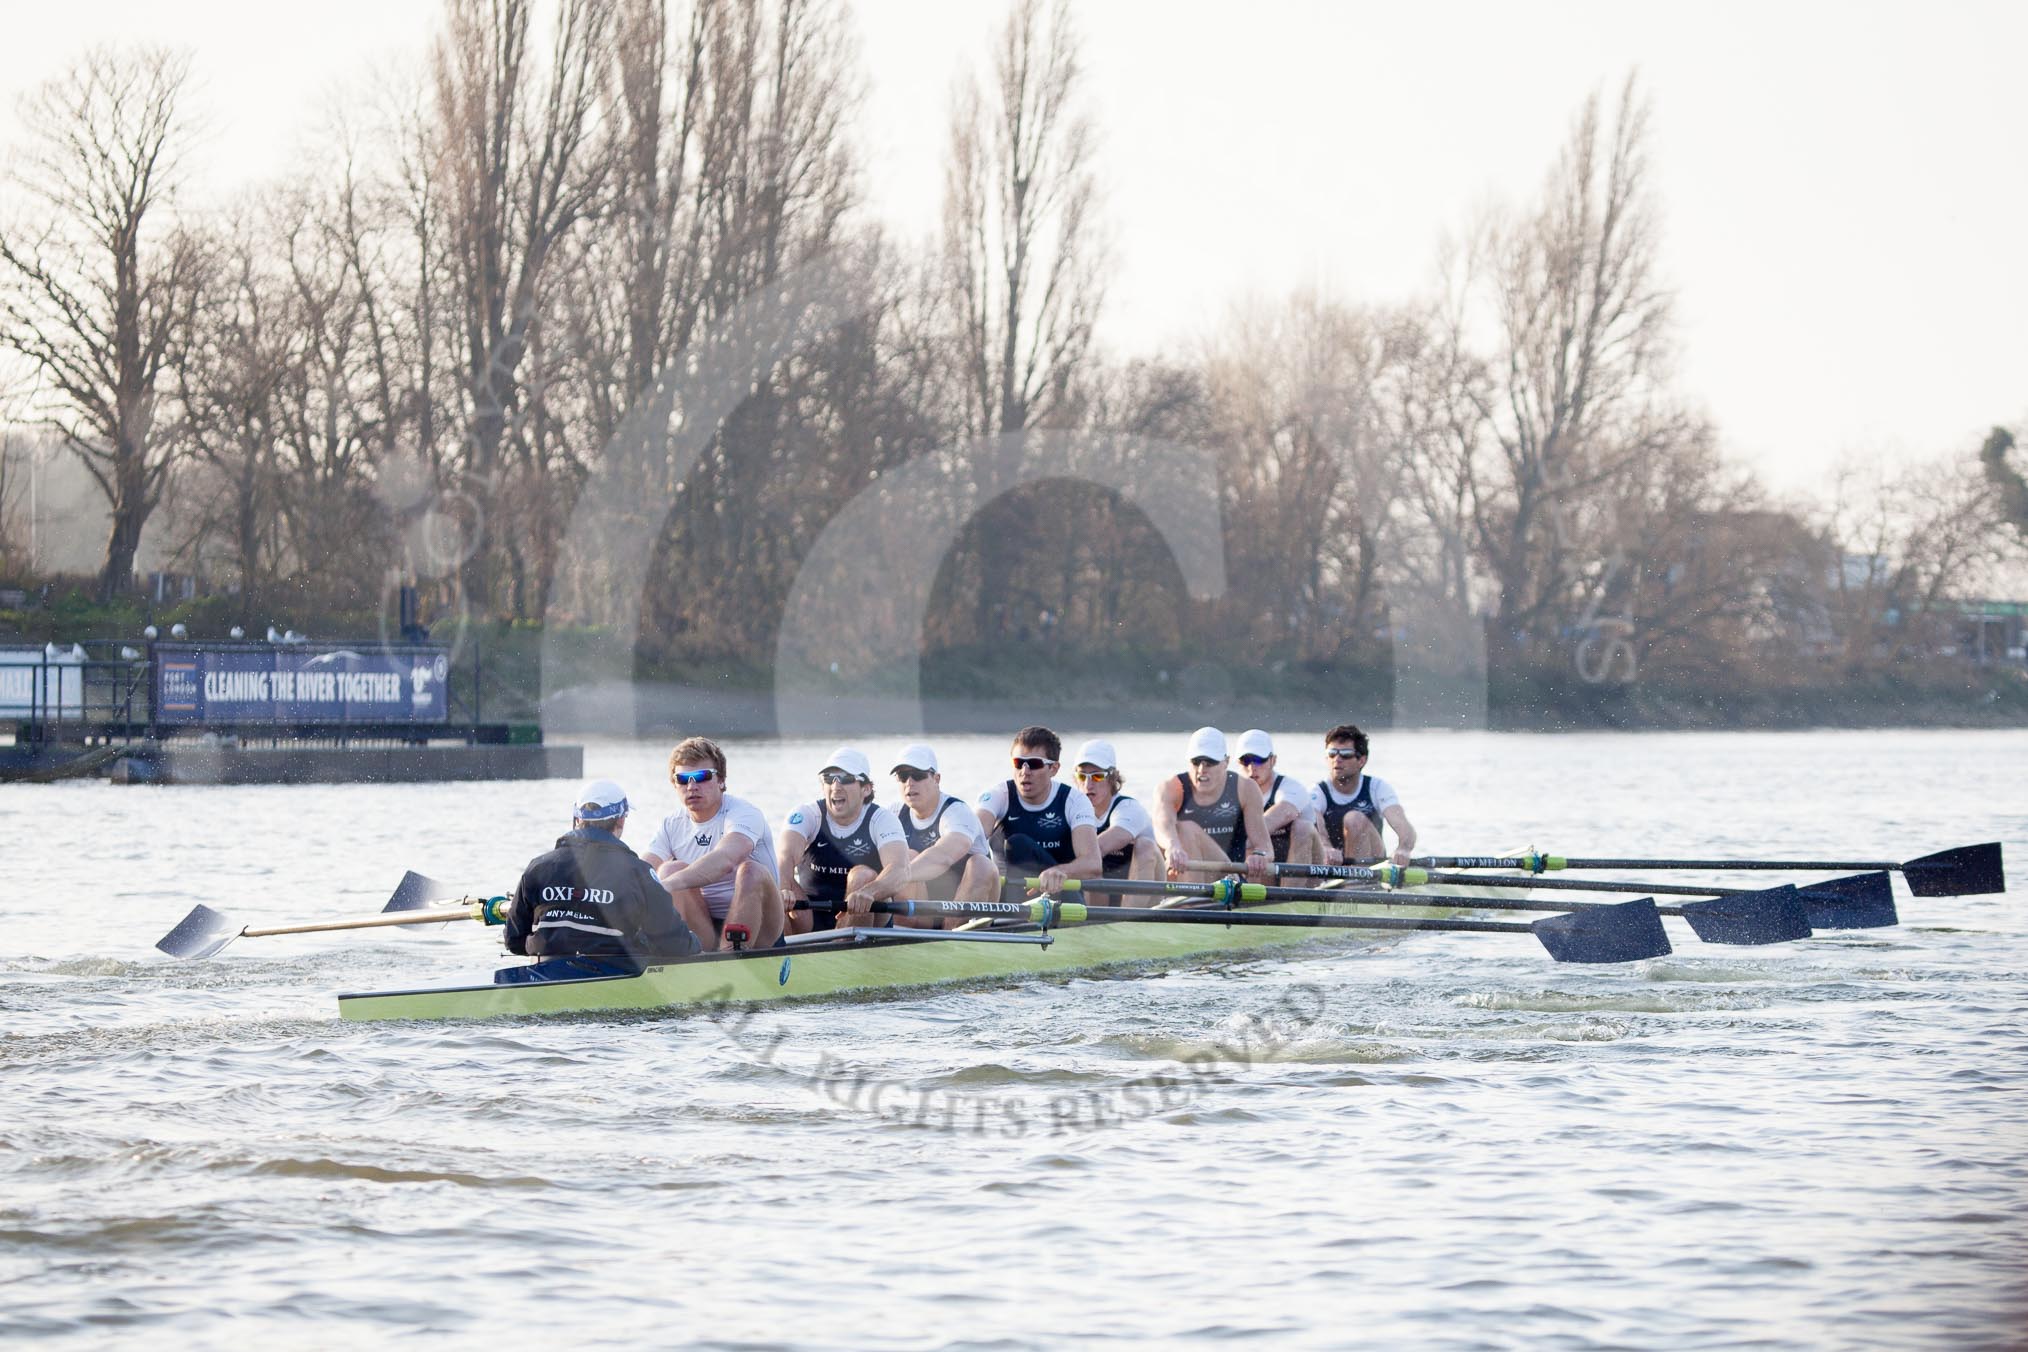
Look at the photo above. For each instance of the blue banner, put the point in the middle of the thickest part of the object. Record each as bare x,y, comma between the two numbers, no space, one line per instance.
227,684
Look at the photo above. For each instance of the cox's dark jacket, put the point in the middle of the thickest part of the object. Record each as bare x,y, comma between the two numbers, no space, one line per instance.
593,897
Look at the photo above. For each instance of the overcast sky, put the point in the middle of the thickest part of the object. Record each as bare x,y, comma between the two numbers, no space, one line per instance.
1844,185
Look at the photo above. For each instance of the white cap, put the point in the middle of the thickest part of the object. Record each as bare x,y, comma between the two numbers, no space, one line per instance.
1254,742
916,756
851,762
599,800
1099,753
1207,742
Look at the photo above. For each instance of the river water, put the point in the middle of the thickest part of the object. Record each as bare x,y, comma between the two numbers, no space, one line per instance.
1445,1139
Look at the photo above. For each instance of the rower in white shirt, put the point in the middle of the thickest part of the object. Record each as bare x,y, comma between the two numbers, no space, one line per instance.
716,856
1355,806
1126,833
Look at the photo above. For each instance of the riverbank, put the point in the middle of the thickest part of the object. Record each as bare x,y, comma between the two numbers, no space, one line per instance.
1068,699
497,671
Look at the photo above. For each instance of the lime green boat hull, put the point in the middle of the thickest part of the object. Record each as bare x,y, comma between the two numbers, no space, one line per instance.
878,963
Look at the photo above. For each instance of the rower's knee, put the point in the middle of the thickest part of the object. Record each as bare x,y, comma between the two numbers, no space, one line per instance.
980,880
759,902
1362,842
1195,843
1146,865
1302,843
693,911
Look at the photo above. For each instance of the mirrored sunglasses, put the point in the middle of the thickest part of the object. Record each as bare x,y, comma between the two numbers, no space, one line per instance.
1251,761
838,777
1342,753
685,778
1032,763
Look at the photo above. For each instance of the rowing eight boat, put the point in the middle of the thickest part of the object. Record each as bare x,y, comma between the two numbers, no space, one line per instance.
1050,936
864,961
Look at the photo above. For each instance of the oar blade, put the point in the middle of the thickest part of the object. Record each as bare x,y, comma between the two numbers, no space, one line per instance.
200,934
1773,915
1967,871
417,893
1627,932
1862,901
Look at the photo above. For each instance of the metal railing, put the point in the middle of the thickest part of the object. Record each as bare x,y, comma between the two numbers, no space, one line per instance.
100,692
84,693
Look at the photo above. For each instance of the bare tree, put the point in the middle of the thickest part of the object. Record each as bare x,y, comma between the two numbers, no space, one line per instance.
1294,392
99,293
733,171
1432,402
521,167
1909,545
1022,255
229,385
1579,391
2010,488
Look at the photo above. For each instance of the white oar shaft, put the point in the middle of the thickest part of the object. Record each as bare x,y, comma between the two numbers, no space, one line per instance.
474,911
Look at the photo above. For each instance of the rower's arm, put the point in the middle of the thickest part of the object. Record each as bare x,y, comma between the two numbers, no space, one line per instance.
731,852
788,856
1260,848
1404,832
1086,863
894,872
945,854
1167,804
1254,818
1280,814
1114,839
520,918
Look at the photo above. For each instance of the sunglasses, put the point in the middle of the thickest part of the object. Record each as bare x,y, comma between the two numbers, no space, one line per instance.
1340,753
1032,763
911,776
838,777
685,778
1199,762
1251,761
1092,776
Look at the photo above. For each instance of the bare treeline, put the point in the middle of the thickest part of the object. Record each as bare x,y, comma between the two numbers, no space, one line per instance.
409,363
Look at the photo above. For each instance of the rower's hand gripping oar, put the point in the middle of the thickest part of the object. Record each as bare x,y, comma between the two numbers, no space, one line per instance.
1862,901
1612,932
1962,871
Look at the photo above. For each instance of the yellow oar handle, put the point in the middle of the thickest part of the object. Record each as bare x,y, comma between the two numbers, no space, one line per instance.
470,908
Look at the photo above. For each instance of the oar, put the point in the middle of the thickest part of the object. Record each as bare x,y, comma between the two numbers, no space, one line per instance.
1775,915
204,931
1043,911
416,892
1963,871
1609,933
1623,932
1862,901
